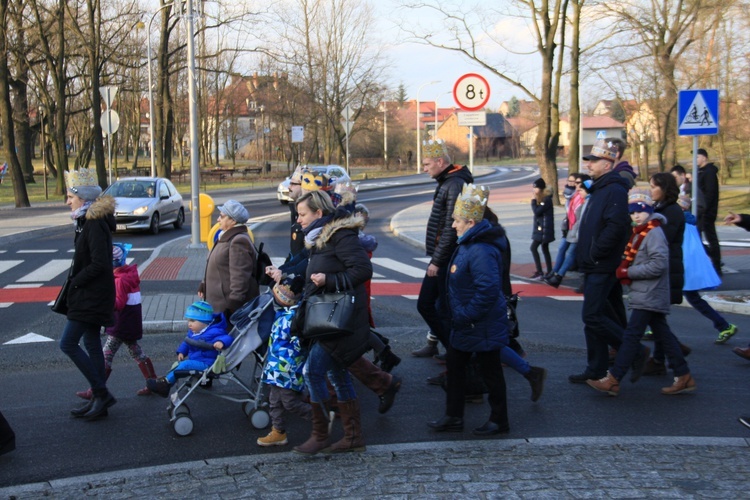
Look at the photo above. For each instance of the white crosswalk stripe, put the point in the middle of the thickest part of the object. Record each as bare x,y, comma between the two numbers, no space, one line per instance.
8,264
394,265
47,272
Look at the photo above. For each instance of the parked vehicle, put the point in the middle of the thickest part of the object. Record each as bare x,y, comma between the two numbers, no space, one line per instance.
334,171
146,203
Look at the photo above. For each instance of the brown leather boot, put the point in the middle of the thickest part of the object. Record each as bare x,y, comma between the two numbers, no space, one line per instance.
147,369
682,384
318,440
352,440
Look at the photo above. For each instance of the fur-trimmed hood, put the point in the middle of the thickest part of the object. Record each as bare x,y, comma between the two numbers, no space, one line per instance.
355,222
101,208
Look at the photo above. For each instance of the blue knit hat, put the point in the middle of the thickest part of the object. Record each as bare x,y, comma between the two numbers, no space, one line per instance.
120,253
200,311
640,201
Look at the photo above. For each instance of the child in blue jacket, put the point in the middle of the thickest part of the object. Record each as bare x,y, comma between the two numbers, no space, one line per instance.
206,336
286,358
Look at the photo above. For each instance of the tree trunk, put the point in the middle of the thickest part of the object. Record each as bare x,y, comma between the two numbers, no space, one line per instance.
6,117
574,153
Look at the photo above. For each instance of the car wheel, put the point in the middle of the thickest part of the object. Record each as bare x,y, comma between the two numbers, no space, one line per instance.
154,227
284,202
180,219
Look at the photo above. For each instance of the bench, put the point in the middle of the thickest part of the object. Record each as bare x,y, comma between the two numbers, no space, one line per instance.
219,174
251,170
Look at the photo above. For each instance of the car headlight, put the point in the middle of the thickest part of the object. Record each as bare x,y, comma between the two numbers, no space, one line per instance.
140,210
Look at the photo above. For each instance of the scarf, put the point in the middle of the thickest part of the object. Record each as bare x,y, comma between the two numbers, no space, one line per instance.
80,211
313,230
639,234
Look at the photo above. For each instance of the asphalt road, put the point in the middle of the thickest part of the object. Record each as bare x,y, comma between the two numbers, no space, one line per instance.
37,389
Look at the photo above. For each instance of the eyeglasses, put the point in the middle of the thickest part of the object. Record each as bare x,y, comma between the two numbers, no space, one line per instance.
579,182
295,183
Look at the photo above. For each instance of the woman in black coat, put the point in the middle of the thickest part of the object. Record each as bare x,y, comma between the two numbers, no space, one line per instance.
91,296
543,232
335,255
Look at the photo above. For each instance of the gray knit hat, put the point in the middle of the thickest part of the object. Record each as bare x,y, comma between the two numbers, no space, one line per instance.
235,210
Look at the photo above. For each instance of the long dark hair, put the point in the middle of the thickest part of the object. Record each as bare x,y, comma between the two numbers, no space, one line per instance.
668,185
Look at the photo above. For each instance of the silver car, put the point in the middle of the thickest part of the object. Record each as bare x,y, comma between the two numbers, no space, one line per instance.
146,203
334,171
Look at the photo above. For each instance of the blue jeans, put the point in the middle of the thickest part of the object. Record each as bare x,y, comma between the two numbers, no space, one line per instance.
566,256
91,365
513,360
602,326
631,343
700,305
186,365
320,365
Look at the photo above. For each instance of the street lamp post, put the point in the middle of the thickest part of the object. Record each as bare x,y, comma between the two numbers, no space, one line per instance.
263,129
419,126
151,90
194,146
385,133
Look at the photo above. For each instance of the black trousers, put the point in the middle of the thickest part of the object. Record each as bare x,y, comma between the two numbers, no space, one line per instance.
430,295
491,369
7,436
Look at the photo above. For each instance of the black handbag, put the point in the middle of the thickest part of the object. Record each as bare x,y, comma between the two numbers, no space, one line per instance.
330,315
60,306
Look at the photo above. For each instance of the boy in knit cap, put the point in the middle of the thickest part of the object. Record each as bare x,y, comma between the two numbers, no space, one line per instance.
286,358
207,335
645,269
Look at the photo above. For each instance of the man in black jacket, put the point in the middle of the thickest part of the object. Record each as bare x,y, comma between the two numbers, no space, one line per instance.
708,205
603,234
440,240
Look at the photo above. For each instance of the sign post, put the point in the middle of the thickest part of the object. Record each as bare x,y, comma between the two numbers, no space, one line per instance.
471,92
697,114
347,115
110,121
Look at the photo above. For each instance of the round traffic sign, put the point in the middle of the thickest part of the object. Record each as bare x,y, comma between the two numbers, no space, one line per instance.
471,92
110,121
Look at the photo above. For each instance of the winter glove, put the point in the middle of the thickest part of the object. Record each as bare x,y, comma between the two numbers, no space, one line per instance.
622,275
220,365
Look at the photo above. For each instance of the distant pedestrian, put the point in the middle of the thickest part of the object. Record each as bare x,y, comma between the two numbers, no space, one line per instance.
645,269
566,253
622,167
681,177
543,230
91,299
128,327
708,206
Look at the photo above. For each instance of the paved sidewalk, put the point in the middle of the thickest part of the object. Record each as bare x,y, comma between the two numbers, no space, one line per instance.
612,467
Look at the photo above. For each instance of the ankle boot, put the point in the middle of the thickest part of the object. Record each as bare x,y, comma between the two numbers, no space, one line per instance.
147,369
388,360
350,418
160,386
88,393
536,378
427,351
99,405
318,440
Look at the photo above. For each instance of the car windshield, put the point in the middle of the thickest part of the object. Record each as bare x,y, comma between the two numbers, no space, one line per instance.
132,189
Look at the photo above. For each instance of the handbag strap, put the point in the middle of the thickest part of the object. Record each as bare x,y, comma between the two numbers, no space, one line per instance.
345,282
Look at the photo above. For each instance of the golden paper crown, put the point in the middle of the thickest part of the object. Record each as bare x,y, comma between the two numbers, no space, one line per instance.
603,149
314,181
297,174
434,149
471,203
80,177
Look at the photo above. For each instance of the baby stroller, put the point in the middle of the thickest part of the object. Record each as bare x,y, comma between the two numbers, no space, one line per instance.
252,328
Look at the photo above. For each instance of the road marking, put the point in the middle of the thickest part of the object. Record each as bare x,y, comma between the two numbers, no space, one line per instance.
426,260
22,285
37,251
29,338
47,272
3,305
8,264
397,266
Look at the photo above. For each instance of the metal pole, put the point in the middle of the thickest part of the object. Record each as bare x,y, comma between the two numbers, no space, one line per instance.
419,126
696,191
194,152
471,149
385,134
44,163
150,98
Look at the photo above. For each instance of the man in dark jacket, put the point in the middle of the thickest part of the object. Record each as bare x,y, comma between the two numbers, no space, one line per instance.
708,206
440,240
603,233
622,167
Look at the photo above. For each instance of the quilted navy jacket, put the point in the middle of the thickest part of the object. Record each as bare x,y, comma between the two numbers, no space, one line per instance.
477,304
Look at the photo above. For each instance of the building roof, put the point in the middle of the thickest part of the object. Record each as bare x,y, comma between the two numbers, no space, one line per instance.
597,122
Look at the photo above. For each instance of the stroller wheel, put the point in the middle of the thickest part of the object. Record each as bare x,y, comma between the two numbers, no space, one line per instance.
259,418
183,425
180,410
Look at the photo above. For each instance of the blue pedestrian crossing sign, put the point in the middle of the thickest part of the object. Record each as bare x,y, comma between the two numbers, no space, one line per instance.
601,134
698,112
